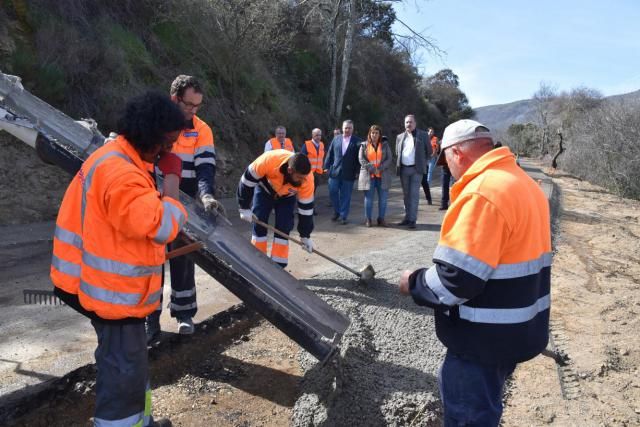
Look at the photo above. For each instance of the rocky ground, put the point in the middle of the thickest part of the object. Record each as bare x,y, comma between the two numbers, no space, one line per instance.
595,318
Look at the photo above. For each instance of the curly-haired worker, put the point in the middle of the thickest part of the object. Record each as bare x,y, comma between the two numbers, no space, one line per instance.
109,247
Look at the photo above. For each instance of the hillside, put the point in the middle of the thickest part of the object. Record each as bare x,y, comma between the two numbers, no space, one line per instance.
501,116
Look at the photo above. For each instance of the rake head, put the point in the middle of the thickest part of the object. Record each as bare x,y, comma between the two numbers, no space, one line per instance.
41,297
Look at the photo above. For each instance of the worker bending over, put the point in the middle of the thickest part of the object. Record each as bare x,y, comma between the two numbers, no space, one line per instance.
109,247
279,178
489,285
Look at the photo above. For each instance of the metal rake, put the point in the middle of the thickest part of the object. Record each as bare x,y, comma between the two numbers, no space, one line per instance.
41,297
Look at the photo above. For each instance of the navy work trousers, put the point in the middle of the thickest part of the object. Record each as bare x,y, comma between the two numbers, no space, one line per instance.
263,204
471,392
183,287
123,396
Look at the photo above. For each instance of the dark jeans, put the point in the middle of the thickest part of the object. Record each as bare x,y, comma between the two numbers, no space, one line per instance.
425,186
471,392
446,181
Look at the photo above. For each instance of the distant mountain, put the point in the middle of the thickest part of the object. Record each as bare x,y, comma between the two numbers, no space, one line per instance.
501,116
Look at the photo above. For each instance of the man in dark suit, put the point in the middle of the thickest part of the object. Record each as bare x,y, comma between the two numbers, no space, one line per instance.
413,151
341,161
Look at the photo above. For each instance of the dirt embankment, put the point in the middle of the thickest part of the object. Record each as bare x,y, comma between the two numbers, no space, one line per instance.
595,316
30,190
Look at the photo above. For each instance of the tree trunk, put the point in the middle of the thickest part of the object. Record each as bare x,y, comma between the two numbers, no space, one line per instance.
332,34
346,55
554,163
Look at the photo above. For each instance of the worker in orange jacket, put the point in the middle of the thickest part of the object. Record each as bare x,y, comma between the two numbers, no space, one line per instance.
279,178
280,141
195,146
314,150
490,282
109,247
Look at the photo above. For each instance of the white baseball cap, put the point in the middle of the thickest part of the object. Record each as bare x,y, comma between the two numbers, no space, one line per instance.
459,132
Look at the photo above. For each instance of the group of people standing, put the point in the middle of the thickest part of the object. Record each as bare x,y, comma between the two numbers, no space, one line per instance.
371,162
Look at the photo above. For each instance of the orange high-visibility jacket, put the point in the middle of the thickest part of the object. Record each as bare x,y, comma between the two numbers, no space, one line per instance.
196,147
266,171
490,285
274,144
111,234
316,157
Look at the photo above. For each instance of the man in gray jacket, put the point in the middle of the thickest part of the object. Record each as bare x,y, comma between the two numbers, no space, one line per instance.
413,151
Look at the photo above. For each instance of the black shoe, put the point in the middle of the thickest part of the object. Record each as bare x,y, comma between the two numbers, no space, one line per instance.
443,208
162,422
344,221
367,223
429,202
404,222
382,222
412,224
335,217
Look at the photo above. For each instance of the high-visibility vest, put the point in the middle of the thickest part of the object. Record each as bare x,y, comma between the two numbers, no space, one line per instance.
316,157
111,234
196,147
434,144
493,264
288,144
374,155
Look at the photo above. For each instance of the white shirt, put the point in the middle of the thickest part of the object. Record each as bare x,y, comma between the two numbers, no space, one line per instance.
409,150
345,144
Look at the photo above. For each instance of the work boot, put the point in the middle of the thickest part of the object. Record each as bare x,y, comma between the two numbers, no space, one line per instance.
412,224
404,222
162,422
152,327
185,326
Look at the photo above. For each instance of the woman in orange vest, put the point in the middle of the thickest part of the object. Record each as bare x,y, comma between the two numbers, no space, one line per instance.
375,160
109,247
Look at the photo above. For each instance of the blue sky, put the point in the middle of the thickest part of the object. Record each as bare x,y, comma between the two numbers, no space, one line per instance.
502,50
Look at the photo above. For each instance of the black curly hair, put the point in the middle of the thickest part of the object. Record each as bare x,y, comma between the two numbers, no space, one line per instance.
147,118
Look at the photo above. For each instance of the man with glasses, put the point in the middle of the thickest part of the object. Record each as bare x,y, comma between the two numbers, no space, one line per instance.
195,146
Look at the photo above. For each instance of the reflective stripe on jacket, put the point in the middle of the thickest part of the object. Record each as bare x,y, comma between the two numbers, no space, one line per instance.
316,156
196,147
274,144
491,280
267,171
111,234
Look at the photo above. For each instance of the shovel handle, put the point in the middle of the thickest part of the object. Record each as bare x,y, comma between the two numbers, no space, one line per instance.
183,250
293,239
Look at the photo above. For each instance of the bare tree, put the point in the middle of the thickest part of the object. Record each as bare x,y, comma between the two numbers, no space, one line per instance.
543,102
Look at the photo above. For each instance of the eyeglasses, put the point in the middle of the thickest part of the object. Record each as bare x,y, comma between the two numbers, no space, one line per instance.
190,105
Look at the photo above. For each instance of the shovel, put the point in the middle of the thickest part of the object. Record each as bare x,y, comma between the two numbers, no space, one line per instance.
365,274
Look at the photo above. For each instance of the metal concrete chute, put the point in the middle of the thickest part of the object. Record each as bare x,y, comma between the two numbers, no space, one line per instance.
227,257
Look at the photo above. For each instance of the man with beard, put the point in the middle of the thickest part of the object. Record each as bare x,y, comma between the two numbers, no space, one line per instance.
279,178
